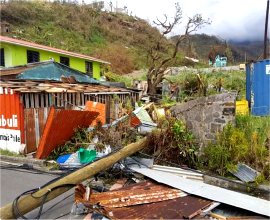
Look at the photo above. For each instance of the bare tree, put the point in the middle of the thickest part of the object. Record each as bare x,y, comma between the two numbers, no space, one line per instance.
158,63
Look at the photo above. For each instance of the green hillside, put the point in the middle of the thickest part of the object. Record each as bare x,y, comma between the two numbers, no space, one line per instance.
118,38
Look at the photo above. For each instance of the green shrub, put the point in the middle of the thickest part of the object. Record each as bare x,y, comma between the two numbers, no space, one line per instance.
231,147
212,83
245,142
119,78
174,143
217,157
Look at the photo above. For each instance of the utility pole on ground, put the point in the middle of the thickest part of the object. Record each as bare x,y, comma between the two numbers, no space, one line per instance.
30,202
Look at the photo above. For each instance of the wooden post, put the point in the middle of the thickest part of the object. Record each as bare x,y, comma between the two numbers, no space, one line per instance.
28,203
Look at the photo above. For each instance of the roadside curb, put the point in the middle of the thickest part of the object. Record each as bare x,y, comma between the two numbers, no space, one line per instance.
37,162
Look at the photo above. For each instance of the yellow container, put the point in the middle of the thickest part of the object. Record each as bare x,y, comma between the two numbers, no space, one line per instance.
241,107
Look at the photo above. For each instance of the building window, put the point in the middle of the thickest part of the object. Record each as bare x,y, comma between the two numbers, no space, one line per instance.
89,68
64,60
2,57
32,56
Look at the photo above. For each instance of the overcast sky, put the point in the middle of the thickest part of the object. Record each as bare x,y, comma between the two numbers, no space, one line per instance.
231,19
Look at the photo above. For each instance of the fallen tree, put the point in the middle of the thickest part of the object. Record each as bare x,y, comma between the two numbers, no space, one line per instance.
30,202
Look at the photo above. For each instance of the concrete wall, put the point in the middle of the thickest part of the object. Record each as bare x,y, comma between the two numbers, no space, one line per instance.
206,116
17,55
179,70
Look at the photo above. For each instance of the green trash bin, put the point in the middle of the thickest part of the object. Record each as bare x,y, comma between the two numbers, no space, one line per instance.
86,156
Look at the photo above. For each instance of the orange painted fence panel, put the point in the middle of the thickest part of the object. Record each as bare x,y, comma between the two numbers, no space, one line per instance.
11,121
60,127
97,107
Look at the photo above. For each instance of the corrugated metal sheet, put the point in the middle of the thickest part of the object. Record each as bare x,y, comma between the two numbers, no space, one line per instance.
60,127
246,173
35,120
259,87
97,107
11,120
140,116
55,72
140,193
15,70
5,72
207,191
187,174
179,208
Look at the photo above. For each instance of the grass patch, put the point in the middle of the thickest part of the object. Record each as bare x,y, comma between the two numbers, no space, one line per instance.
212,83
9,153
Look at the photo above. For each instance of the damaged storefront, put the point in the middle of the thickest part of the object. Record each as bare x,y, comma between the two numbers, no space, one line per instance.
25,106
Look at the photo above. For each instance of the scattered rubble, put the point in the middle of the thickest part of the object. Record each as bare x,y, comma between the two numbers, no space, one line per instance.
148,199
112,185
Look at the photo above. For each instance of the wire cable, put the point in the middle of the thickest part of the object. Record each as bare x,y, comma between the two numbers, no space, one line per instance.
58,203
60,216
15,209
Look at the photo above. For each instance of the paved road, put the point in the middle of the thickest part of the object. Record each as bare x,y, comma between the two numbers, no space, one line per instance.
16,181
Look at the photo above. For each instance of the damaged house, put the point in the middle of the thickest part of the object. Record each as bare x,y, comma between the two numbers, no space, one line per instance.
15,52
31,92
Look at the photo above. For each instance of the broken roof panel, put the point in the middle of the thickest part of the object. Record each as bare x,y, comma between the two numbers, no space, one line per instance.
185,173
204,190
60,127
179,208
245,173
24,86
140,193
49,70
141,116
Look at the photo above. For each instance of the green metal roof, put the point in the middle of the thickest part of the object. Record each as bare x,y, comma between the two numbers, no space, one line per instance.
54,71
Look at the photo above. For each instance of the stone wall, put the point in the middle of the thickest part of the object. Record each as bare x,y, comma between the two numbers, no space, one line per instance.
179,70
206,116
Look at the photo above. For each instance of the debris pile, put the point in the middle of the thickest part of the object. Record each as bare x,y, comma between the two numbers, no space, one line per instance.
112,184
166,196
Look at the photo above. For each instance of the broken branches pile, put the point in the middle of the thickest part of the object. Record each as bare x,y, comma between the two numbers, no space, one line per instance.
100,137
173,142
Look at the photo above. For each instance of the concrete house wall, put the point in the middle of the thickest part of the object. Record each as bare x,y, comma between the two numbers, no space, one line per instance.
15,55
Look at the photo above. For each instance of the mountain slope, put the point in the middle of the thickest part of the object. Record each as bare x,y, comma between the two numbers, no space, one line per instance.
203,44
118,38
251,49
81,29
